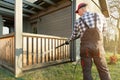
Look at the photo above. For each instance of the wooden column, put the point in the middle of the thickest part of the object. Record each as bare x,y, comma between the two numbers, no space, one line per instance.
73,53
1,25
1,29
18,37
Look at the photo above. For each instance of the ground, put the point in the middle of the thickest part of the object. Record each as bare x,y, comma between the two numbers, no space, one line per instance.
66,71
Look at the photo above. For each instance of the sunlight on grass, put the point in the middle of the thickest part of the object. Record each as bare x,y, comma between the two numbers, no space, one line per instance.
65,71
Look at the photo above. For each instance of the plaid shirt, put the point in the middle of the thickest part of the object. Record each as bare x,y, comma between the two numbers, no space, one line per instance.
88,17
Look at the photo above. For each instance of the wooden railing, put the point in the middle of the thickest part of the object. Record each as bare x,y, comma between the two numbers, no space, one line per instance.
39,50
7,51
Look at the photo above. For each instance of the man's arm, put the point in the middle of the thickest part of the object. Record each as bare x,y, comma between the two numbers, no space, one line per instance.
75,34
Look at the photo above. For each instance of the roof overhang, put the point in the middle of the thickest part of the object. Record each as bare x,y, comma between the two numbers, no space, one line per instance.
61,4
29,8
104,7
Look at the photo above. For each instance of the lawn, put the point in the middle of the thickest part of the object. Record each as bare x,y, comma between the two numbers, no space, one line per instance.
66,71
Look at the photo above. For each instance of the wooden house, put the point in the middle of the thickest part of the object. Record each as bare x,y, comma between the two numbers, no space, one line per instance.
36,28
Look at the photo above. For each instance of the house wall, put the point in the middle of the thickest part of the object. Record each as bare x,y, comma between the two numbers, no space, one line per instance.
27,26
58,23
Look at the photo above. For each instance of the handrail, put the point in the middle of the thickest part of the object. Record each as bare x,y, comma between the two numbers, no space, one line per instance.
7,35
41,35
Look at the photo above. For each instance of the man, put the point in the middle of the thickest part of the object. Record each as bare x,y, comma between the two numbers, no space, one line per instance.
91,47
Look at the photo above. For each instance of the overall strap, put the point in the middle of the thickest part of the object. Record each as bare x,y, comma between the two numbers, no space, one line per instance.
95,19
84,22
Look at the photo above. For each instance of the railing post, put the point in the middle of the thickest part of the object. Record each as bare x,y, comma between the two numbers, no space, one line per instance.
18,37
1,31
1,25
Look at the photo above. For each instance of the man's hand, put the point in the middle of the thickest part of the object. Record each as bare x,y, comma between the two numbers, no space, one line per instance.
67,42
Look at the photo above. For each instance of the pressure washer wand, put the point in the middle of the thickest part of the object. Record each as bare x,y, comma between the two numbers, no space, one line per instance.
60,45
66,43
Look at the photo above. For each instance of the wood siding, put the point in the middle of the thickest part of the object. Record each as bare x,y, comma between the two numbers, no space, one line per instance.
58,23
7,51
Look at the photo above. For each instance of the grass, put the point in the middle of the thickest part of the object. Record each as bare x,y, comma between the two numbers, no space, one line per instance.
65,71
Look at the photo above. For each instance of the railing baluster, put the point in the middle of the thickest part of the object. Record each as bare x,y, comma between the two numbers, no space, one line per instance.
32,53
63,50
37,50
41,52
48,49
53,50
45,49
13,53
25,46
59,50
27,50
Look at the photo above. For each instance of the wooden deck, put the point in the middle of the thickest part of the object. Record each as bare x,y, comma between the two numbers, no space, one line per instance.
38,51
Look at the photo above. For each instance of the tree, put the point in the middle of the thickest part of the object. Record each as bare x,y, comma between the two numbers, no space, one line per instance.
114,9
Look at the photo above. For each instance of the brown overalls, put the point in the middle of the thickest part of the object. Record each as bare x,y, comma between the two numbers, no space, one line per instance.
92,49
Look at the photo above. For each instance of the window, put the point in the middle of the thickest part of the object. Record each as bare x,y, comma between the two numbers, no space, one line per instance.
5,30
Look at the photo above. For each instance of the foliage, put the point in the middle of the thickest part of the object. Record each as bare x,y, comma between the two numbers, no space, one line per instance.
108,47
114,9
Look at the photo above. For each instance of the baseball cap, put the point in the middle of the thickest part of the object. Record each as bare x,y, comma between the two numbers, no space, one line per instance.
80,6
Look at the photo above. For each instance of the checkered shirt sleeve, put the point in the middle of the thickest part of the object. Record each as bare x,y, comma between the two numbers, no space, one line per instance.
79,27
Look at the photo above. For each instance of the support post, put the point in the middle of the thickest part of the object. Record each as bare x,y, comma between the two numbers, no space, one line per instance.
18,37
1,25
73,44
